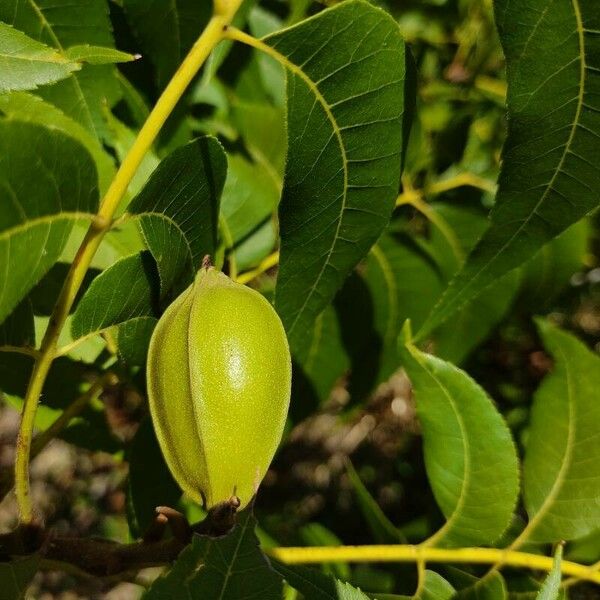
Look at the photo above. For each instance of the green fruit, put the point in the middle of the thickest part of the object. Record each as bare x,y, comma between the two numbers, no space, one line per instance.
219,381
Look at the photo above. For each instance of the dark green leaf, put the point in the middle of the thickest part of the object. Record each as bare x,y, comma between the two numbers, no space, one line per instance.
133,339
127,290
383,530
166,33
470,457
26,64
491,587
16,575
178,209
345,108
150,481
63,384
404,283
85,94
551,165
41,200
561,470
231,567
316,585
18,328
434,587
318,368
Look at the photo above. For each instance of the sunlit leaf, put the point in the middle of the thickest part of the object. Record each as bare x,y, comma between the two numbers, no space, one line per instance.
41,199
550,589
26,63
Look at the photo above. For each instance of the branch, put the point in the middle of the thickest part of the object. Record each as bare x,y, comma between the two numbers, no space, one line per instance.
408,553
104,558
224,11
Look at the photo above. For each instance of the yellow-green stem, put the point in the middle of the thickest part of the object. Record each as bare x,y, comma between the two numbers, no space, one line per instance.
210,37
408,553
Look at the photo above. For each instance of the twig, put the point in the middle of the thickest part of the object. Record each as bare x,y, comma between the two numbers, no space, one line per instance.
224,10
409,553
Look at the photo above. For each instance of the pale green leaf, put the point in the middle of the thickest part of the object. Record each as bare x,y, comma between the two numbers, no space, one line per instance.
561,471
97,55
85,94
346,72
551,161
26,63
550,589
470,456
42,196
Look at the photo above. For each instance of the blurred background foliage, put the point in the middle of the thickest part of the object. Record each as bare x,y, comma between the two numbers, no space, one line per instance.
350,469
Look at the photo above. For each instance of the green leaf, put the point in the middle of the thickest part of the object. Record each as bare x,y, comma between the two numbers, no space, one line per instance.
404,283
26,64
550,589
166,33
315,534
550,168
561,470
16,575
470,457
345,108
316,585
250,197
121,140
434,587
491,587
97,55
133,339
41,199
21,106
216,568
547,274
178,209
383,530
84,95
18,328
150,481
318,367
125,291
